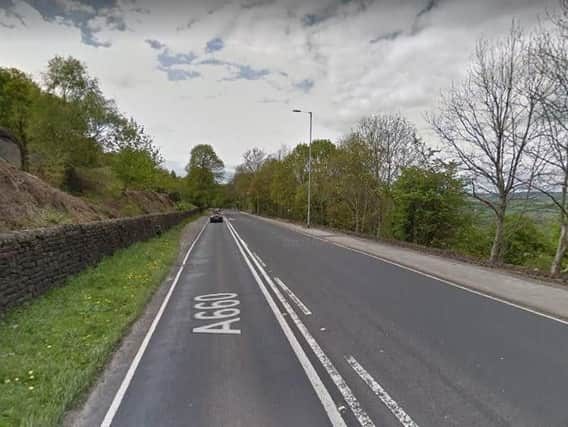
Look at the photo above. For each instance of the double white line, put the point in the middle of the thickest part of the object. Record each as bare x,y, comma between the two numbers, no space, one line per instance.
324,396
317,384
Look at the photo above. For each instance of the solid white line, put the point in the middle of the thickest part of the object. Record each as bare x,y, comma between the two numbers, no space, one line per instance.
293,296
107,421
336,377
422,273
259,259
397,411
317,384
439,279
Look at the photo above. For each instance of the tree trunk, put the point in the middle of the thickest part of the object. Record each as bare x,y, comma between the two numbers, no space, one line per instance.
498,248
560,250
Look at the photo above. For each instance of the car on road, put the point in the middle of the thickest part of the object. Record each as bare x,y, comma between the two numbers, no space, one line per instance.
216,216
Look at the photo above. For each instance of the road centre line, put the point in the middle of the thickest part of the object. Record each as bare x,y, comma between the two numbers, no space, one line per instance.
293,296
336,377
390,403
117,400
316,382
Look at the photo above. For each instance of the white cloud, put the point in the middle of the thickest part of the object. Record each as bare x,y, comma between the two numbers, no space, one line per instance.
324,42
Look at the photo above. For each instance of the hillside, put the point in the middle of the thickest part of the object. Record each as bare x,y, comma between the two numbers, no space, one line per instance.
28,202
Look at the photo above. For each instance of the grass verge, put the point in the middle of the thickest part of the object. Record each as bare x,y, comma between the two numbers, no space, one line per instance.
52,349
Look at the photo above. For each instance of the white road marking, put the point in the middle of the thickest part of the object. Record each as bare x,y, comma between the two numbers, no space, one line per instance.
336,377
293,296
107,421
259,259
397,411
317,384
439,279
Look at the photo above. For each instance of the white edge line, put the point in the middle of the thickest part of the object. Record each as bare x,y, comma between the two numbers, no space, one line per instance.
293,296
382,394
437,278
336,377
317,384
112,410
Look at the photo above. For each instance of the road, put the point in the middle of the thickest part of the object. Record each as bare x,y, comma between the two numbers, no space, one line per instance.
269,327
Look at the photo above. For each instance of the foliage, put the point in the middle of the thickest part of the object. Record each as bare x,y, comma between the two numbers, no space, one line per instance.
524,240
69,131
17,94
134,167
54,347
204,171
429,206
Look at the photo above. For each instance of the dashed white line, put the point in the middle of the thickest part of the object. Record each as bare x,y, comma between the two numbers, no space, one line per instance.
390,403
317,384
330,368
107,421
293,296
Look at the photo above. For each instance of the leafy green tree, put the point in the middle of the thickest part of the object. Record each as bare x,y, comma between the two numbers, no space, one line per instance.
354,182
204,170
68,78
17,95
135,168
428,206
203,156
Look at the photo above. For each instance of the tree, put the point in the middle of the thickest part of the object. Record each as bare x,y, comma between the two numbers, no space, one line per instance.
354,181
550,52
204,157
204,171
17,95
393,146
134,167
429,206
488,122
68,78
253,159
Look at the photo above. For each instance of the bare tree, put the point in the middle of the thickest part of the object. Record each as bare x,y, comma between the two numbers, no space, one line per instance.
488,122
393,145
550,52
253,159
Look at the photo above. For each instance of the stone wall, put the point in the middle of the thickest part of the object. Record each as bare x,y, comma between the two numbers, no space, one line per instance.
33,261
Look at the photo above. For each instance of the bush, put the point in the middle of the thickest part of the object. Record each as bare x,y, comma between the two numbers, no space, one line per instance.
428,206
525,242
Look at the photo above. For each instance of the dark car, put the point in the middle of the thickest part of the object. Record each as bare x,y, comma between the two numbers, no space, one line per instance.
216,216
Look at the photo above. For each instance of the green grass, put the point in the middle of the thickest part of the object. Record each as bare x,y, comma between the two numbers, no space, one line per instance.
52,349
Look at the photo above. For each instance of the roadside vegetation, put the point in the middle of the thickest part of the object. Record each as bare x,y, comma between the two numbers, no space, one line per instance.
52,348
77,140
495,186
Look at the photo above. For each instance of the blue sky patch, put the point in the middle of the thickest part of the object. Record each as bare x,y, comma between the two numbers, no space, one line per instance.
166,59
305,85
214,45
175,74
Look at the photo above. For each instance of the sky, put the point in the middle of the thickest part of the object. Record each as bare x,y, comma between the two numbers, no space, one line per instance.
229,73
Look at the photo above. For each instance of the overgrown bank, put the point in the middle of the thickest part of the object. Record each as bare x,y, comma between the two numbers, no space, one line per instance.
52,349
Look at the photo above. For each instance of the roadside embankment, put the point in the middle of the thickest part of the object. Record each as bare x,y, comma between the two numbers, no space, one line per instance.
33,261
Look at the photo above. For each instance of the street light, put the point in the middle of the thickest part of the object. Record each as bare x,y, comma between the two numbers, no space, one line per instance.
309,164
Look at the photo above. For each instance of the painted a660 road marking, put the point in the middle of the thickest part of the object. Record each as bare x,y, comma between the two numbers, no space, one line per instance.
221,309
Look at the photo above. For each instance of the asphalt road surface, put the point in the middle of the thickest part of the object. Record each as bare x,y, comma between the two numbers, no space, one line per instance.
268,327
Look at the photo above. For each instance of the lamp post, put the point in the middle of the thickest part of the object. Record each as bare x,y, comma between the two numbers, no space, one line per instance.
309,165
